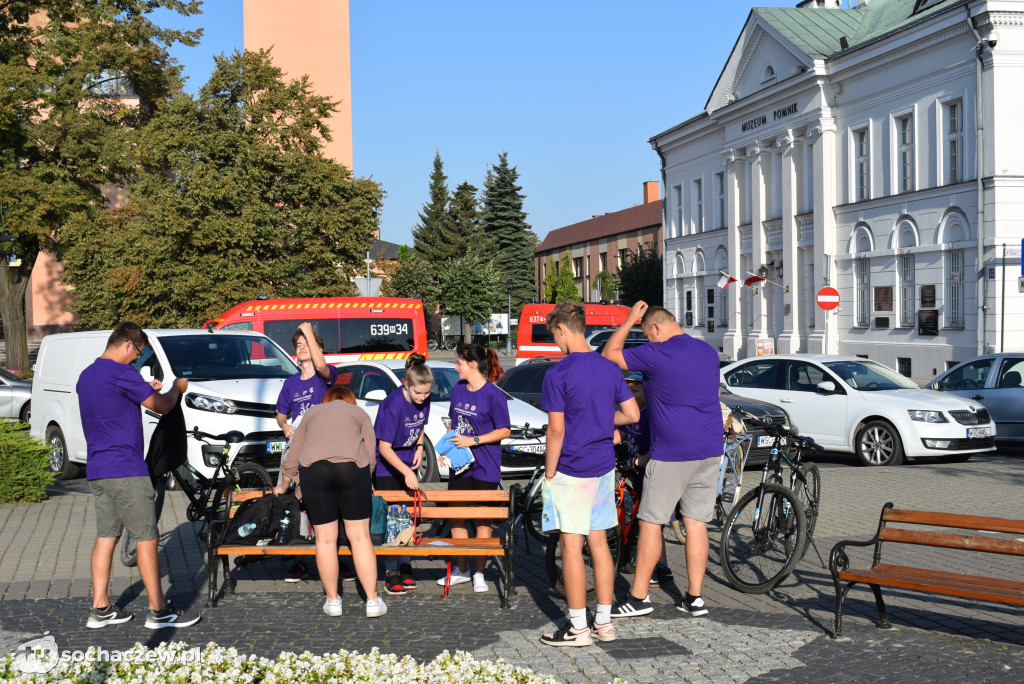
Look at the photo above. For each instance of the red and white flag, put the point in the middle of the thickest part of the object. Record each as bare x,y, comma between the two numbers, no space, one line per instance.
726,280
753,280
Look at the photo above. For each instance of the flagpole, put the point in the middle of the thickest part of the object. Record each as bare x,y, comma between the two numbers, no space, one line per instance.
766,280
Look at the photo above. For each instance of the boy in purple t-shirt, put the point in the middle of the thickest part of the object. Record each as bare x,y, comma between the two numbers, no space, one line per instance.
585,396
110,392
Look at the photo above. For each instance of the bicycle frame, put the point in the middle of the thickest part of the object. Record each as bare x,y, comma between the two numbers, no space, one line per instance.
728,489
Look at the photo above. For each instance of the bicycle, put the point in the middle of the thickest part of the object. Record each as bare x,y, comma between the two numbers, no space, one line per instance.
530,506
207,495
621,537
440,341
768,531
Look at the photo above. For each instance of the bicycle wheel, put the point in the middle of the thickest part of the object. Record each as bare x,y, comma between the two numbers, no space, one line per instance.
758,545
807,487
553,560
129,550
532,519
730,481
252,476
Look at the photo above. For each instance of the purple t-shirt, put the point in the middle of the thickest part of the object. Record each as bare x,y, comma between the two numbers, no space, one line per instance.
637,437
400,423
587,388
477,413
681,381
109,396
297,395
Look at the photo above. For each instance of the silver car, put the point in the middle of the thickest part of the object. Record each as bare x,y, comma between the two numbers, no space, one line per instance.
15,396
996,381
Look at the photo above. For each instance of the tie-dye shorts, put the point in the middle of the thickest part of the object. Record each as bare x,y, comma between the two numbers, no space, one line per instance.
578,505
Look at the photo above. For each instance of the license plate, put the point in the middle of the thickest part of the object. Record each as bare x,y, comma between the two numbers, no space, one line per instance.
276,446
978,433
768,441
529,448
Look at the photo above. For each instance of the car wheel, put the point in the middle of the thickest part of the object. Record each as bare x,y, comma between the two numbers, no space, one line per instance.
878,444
26,412
428,471
60,462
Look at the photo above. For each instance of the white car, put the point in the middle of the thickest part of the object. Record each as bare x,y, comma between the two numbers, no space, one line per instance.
851,404
373,381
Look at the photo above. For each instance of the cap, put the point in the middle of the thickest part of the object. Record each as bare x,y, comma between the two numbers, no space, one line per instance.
634,376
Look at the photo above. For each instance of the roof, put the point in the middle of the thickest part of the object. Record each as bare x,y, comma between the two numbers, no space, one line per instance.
634,218
381,249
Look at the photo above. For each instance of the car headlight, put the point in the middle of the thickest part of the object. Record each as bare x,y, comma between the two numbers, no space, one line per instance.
201,402
928,416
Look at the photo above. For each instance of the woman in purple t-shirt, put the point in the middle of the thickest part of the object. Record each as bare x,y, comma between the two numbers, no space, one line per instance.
479,416
399,429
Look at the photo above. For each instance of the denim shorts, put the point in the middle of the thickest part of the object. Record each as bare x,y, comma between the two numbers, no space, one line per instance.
125,503
579,505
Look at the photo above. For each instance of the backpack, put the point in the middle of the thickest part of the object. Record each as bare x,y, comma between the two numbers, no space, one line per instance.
265,513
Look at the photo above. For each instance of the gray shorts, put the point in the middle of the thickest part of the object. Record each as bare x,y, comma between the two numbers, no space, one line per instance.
690,485
125,503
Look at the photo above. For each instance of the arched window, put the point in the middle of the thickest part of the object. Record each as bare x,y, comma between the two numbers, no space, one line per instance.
769,74
861,243
906,268
954,228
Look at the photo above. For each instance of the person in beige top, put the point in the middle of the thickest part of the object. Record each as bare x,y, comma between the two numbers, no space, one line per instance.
334,446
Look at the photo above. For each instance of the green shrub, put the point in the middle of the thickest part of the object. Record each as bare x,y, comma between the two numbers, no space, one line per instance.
24,471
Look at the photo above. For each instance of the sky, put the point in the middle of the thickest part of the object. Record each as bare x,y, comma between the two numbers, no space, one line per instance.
573,91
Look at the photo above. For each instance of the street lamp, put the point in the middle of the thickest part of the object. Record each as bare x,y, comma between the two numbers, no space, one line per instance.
508,337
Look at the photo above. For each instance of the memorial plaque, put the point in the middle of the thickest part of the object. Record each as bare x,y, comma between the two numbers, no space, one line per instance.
928,322
927,296
883,298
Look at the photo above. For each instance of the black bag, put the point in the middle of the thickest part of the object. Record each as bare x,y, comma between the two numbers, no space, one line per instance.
264,515
167,447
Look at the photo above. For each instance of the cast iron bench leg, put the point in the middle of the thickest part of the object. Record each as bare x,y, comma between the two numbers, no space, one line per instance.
883,619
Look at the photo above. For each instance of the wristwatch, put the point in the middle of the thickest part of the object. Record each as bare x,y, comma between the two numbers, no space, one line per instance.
476,441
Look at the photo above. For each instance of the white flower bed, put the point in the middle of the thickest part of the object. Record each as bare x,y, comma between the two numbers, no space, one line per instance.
176,662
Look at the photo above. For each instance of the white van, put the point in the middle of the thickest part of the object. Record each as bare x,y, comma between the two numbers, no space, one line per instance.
234,381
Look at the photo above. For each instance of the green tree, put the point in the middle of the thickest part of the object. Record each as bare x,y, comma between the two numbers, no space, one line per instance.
465,286
415,278
72,88
640,277
434,235
505,224
404,253
608,283
550,281
564,288
467,232
230,196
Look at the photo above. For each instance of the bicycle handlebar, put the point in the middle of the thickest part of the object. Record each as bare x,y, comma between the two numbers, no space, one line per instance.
779,430
232,437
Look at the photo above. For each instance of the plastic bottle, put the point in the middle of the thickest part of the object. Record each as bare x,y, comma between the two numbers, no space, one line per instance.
246,529
392,527
404,519
284,532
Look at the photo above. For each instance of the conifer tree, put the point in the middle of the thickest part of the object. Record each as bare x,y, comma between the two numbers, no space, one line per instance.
505,224
564,288
467,233
434,234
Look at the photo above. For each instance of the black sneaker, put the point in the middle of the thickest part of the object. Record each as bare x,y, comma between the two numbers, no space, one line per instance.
405,572
170,617
694,605
662,576
111,615
631,606
393,583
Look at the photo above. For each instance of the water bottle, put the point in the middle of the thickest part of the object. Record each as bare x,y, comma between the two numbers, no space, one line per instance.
404,519
283,533
246,529
392,527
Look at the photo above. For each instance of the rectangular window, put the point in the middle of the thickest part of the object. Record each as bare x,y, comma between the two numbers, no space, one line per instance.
723,208
677,199
603,257
689,308
577,267
955,289
905,133
903,366
954,121
906,268
698,206
710,304
862,169
862,282
723,311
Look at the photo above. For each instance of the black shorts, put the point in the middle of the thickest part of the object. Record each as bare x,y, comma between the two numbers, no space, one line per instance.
464,482
333,491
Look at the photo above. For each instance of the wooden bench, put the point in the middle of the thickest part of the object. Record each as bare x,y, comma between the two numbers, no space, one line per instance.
923,579
455,505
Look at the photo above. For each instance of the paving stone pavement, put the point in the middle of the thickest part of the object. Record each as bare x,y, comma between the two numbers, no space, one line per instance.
783,635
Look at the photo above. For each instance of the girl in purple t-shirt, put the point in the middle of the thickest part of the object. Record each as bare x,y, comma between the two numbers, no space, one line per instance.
479,415
399,429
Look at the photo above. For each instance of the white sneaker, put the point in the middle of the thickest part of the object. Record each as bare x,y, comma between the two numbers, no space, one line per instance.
376,609
332,606
479,585
457,578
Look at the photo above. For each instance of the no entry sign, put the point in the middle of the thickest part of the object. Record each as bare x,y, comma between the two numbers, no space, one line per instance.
828,298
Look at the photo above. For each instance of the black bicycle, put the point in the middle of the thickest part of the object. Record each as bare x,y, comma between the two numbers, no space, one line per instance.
207,496
441,341
768,531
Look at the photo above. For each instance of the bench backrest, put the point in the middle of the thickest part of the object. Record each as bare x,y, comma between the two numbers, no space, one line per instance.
488,505
950,540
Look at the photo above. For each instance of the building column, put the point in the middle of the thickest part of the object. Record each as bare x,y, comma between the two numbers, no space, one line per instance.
825,337
758,156
789,341
732,340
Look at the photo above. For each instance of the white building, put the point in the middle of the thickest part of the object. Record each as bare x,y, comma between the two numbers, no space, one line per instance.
842,147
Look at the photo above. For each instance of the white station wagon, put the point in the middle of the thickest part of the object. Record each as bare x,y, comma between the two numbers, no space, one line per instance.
851,404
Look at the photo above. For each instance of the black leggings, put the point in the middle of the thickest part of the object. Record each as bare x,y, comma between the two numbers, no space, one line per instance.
333,491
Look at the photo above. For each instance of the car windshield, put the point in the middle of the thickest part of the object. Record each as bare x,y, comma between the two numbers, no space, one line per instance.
210,356
869,376
444,381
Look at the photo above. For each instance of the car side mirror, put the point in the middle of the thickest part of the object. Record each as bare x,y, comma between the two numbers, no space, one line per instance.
376,395
147,373
827,387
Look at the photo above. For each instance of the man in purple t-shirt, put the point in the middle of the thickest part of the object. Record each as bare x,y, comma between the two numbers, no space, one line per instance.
682,381
110,392
585,397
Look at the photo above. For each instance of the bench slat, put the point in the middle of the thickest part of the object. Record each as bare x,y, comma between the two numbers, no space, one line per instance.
966,522
952,541
951,584
445,496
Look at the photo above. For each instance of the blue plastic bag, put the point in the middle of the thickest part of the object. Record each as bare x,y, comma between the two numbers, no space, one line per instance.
458,459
